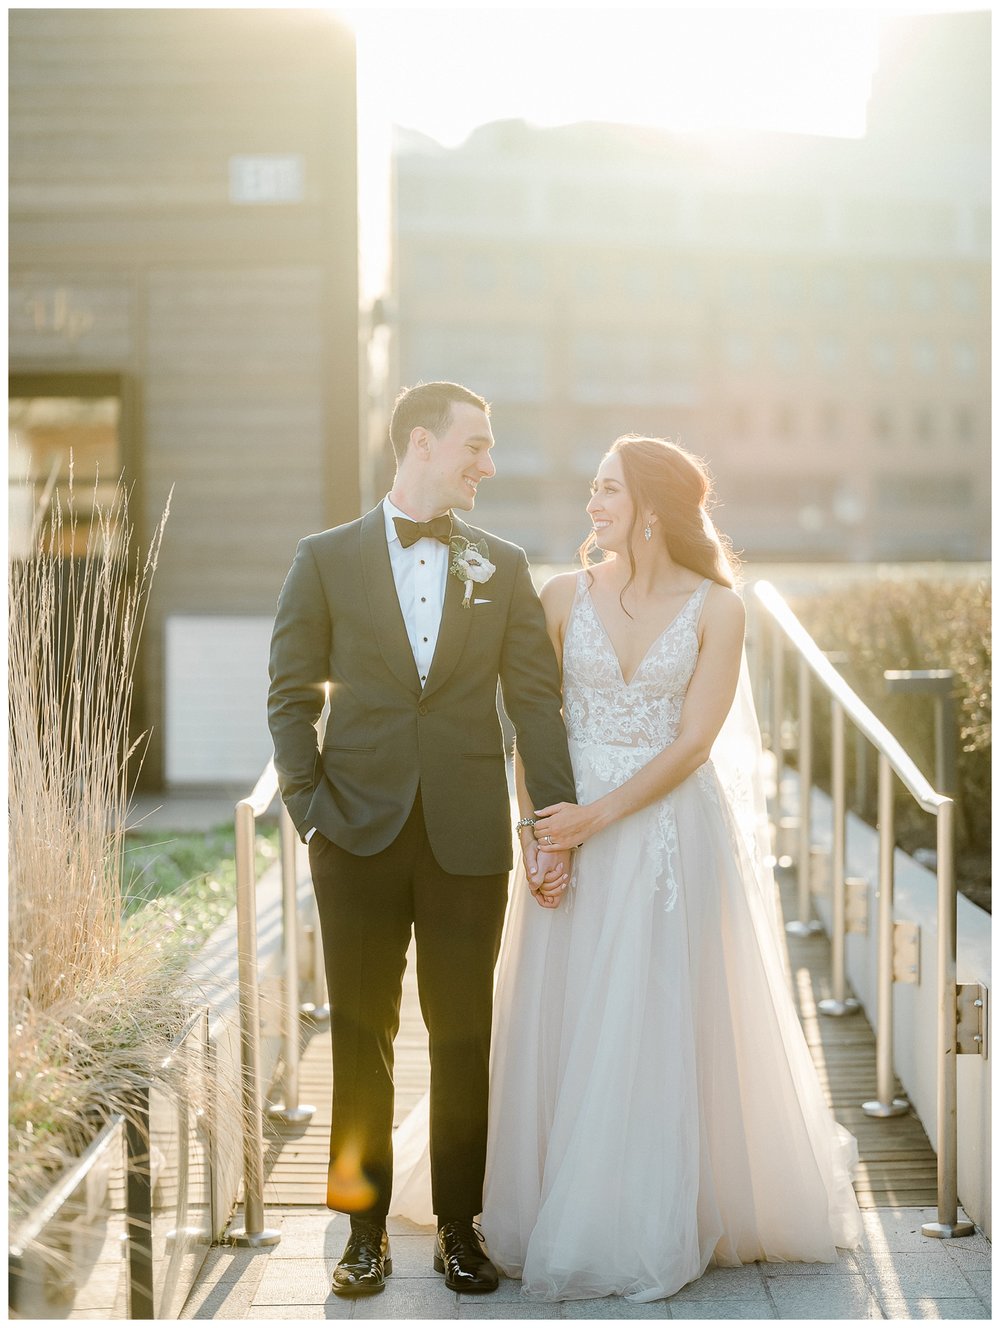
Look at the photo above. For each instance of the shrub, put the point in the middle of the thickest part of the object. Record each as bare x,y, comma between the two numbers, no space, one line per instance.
93,1006
920,624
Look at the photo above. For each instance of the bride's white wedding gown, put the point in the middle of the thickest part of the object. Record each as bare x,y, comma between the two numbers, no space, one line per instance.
653,1105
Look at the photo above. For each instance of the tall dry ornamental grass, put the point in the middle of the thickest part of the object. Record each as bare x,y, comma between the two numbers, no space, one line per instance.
90,1009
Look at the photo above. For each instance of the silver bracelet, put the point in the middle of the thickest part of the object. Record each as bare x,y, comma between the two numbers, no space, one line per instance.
523,822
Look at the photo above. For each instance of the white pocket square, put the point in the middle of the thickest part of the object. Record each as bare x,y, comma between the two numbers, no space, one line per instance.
481,601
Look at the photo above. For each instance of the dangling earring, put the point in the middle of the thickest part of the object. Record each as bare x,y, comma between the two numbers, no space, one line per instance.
647,534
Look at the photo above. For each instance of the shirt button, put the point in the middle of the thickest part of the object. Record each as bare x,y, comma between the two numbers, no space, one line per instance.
425,638
421,562
423,599
423,677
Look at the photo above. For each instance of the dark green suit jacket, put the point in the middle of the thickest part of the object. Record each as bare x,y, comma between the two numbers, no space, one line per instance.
339,622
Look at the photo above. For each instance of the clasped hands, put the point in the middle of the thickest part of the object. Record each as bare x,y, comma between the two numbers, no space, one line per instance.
547,848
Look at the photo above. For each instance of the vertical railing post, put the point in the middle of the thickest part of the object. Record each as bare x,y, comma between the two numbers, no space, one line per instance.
885,1104
777,711
318,1009
947,1224
803,925
291,1110
253,1232
839,1003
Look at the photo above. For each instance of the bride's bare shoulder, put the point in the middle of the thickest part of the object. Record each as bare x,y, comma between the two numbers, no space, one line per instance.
724,607
559,590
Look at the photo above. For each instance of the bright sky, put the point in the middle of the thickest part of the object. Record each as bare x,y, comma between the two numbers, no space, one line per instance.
445,70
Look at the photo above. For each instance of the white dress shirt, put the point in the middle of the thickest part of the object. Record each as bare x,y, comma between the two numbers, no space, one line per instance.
420,573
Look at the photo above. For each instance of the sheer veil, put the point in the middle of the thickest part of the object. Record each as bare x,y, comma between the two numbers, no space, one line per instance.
738,757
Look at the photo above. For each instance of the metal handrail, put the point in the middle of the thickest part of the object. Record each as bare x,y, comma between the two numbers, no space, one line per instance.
893,760
253,1232
872,727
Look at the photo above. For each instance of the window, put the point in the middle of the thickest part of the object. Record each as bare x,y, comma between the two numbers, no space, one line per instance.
529,275
829,421
882,290
429,271
964,358
784,424
830,287
883,356
738,349
740,421
964,295
831,353
587,280
617,368
896,493
638,281
786,285
505,364
684,280
924,425
786,352
57,422
480,273
882,426
739,286
965,424
923,293
924,357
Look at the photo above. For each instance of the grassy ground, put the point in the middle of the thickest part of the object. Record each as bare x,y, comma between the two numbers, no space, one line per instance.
184,885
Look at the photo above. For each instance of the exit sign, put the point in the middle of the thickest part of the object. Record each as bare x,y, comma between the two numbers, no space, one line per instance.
271,179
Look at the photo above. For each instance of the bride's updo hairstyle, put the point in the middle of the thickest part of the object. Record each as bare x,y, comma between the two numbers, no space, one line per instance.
662,477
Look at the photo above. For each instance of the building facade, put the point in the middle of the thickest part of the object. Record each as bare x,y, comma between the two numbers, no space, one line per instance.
184,307
809,314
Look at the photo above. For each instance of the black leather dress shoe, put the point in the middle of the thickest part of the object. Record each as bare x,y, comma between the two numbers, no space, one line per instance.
460,1256
365,1263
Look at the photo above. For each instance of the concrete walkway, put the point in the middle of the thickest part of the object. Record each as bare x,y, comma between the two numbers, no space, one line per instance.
897,1274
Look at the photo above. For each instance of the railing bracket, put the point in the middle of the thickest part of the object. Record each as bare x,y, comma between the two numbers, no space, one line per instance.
905,952
972,1014
856,905
819,870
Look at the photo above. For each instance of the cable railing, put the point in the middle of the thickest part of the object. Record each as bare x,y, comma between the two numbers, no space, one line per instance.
253,1233
786,634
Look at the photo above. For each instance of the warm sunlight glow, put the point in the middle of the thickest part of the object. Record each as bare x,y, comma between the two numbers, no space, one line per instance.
443,71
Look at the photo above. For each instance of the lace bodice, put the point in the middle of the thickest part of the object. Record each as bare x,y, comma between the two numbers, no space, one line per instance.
604,710
616,727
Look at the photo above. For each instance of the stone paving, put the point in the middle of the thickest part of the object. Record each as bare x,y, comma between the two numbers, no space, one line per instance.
896,1274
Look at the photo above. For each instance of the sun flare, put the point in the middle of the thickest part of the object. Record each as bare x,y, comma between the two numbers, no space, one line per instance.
443,71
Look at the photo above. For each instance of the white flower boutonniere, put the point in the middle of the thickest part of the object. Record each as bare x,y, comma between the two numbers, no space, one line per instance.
470,563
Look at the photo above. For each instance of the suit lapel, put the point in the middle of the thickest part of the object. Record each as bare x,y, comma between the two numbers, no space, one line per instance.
456,620
387,617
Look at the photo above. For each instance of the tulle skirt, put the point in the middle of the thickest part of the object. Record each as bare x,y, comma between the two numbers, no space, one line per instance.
653,1104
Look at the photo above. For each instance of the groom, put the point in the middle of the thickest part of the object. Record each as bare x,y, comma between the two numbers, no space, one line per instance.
411,617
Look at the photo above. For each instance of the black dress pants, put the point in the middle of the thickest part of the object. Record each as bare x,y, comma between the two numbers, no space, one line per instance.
367,907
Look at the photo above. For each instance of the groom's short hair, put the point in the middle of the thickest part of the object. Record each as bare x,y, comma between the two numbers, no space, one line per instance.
427,406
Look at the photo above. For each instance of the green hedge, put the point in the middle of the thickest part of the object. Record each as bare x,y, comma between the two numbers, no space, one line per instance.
183,885
919,624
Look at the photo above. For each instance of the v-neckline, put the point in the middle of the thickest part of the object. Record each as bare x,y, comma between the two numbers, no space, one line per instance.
655,642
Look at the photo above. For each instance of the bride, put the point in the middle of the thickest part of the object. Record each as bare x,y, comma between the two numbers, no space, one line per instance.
653,1105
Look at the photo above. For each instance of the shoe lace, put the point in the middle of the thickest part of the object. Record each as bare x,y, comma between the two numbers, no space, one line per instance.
365,1242
462,1238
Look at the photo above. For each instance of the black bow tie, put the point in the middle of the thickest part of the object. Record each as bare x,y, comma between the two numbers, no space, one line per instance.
410,531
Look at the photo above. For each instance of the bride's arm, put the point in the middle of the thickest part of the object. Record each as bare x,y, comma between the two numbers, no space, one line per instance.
709,698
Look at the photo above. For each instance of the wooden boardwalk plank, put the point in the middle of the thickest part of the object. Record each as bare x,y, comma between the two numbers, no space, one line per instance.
898,1166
